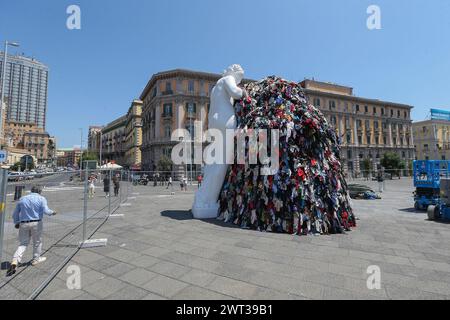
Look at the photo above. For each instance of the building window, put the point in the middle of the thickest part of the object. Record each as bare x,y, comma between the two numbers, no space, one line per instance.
191,108
398,113
332,104
349,154
357,108
349,138
385,140
392,113
382,111
374,110
317,102
167,131
167,110
359,139
366,109
168,87
191,86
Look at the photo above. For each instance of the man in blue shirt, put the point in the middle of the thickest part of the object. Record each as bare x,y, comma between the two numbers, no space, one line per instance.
27,218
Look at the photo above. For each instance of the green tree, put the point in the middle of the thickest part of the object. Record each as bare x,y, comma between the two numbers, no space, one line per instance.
366,166
165,164
22,166
392,163
89,156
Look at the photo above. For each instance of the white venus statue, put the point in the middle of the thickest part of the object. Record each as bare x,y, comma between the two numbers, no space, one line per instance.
221,117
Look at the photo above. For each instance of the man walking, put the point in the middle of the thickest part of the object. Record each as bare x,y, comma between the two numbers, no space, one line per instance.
27,218
380,179
170,183
116,182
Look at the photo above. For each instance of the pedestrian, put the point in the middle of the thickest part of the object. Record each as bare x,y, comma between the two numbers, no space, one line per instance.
91,186
155,182
182,183
106,185
380,180
27,217
185,183
169,184
199,180
116,183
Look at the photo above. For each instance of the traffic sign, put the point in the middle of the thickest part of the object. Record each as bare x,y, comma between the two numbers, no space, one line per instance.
3,156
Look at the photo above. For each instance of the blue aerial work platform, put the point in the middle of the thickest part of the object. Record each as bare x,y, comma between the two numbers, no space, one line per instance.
442,210
427,181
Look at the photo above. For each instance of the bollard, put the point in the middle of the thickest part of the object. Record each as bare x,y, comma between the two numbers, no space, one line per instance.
3,184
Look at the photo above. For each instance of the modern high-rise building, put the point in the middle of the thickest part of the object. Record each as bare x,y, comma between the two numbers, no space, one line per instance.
26,84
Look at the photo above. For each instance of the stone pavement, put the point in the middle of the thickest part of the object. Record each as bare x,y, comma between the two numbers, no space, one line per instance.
157,251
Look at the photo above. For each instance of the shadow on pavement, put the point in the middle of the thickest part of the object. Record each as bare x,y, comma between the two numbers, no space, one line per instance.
178,215
181,215
412,210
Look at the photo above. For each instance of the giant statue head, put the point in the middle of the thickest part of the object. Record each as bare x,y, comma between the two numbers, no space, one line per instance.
236,72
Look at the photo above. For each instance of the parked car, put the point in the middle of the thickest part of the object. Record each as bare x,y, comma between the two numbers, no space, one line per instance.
14,176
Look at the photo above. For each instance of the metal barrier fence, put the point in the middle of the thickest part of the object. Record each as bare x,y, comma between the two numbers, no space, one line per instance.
180,180
83,202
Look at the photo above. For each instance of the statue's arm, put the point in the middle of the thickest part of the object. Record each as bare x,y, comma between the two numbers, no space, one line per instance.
233,90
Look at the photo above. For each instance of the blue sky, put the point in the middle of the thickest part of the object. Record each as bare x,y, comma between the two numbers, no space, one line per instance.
95,72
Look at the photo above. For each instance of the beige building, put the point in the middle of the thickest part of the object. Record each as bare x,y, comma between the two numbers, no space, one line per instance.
15,154
432,139
68,157
133,136
33,140
368,127
113,141
94,139
36,143
172,100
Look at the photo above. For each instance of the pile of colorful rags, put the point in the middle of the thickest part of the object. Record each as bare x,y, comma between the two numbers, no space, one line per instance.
308,194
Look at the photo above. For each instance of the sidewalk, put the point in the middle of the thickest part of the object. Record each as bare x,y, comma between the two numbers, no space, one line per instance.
157,251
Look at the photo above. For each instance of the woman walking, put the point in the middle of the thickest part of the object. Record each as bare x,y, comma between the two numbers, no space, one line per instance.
106,183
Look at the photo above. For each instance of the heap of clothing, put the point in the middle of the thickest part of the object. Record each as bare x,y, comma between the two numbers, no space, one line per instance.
308,194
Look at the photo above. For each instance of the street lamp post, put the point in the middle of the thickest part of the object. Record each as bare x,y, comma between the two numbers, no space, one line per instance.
101,148
2,95
81,149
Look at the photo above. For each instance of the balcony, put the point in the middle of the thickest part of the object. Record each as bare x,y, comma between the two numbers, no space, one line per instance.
191,115
167,92
167,116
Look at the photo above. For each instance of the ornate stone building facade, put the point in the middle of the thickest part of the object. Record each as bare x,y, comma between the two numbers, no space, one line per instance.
173,100
133,136
113,141
368,127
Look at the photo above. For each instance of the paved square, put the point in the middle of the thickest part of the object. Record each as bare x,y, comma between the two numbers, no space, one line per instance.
157,251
